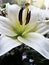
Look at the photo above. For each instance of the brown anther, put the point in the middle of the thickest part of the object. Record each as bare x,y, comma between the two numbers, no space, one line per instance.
27,4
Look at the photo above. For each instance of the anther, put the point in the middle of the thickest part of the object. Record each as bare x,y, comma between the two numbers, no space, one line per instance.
28,17
20,15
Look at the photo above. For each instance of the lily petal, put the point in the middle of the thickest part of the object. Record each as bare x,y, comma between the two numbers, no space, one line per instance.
37,42
12,11
34,13
43,28
6,44
44,14
6,22
6,27
38,14
7,31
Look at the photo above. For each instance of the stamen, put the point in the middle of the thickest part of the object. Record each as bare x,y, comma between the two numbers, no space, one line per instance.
28,17
20,15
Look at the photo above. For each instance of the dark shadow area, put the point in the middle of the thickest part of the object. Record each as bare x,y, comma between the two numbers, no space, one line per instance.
23,55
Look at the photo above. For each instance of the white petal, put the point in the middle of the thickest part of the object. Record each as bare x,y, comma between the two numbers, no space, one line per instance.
6,44
12,11
43,28
46,3
38,14
6,22
6,27
35,11
37,42
7,31
44,14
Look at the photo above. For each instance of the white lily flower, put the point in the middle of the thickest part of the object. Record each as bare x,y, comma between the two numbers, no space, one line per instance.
18,27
